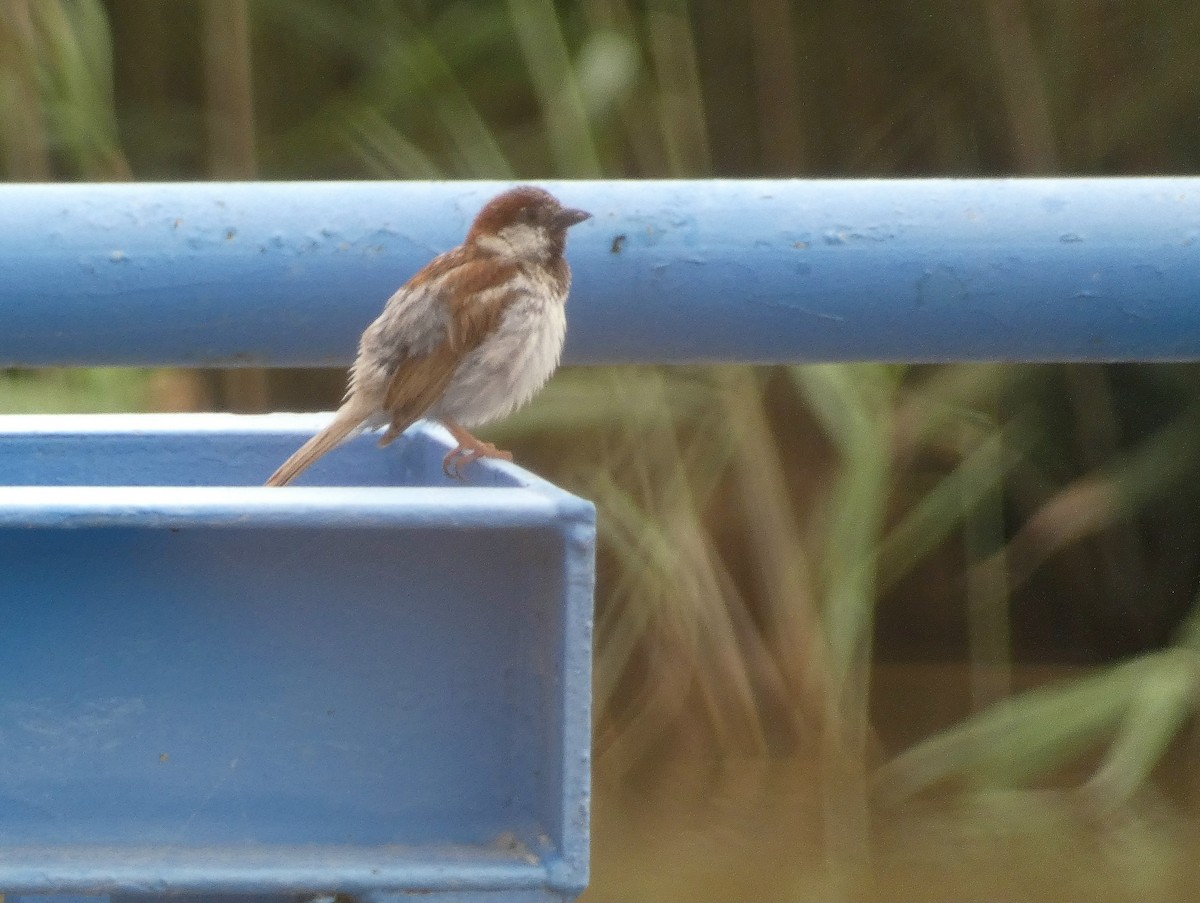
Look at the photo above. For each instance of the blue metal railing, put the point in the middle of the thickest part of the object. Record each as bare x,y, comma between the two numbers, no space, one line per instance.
288,274
229,605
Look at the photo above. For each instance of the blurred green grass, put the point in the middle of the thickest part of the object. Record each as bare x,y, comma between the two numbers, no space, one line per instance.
768,535
74,391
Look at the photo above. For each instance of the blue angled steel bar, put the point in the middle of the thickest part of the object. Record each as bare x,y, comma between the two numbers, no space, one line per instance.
288,274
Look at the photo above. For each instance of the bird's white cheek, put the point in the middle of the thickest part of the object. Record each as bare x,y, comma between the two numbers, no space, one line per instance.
518,240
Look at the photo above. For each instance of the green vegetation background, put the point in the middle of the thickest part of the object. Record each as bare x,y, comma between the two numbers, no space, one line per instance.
778,544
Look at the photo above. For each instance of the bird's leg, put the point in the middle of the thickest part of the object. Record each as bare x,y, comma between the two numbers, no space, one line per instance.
469,448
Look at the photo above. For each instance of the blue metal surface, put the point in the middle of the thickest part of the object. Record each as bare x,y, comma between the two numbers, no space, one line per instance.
215,687
926,270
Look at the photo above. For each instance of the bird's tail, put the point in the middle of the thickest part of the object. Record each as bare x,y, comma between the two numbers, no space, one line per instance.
344,423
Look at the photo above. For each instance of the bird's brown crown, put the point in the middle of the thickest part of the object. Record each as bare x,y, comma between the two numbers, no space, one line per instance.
526,203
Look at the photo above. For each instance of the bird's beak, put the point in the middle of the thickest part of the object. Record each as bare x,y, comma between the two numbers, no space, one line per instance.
569,216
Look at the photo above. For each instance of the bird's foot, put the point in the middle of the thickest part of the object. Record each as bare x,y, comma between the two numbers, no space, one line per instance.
469,449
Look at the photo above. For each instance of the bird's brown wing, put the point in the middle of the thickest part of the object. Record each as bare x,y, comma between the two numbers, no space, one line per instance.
477,292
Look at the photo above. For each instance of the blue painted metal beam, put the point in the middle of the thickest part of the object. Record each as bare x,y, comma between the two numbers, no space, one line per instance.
761,271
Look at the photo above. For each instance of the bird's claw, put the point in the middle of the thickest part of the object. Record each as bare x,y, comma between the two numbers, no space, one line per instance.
453,463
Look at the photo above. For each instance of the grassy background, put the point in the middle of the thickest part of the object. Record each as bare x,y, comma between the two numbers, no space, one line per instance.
775,541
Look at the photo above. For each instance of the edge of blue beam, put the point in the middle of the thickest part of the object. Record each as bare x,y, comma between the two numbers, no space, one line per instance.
288,274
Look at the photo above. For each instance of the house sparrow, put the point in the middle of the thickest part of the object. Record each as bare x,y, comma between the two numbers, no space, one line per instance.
469,339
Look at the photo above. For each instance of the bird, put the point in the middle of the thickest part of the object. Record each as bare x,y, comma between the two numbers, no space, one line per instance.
467,340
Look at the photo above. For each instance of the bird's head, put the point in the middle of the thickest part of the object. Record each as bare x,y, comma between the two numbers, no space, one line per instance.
525,222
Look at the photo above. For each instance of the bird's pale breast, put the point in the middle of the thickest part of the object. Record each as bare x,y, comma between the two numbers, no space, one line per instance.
508,368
